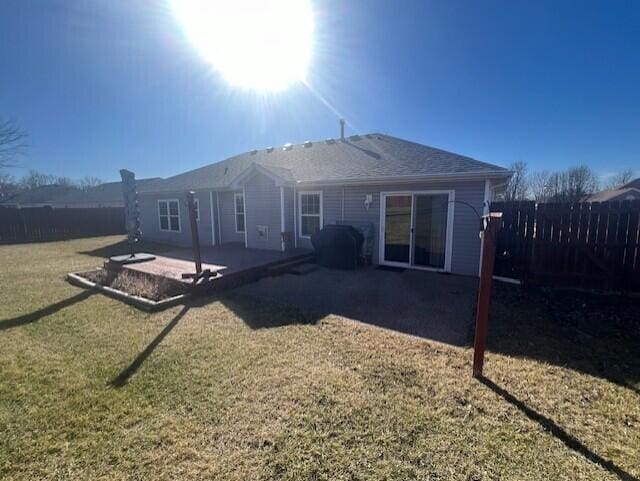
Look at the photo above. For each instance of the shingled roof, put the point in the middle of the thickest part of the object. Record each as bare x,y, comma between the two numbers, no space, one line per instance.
356,158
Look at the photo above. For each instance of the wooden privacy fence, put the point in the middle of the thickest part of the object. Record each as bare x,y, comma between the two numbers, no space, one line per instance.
33,224
585,245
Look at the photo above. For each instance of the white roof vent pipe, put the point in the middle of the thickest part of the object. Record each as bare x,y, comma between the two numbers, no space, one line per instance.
342,122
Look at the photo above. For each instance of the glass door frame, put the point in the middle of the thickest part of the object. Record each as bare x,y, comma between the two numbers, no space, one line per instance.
449,230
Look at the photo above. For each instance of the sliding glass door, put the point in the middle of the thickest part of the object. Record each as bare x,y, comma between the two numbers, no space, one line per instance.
430,230
397,221
416,228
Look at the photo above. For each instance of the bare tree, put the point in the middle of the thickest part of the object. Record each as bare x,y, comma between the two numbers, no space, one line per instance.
620,179
35,179
539,186
517,187
8,185
13,142
572,185
88,182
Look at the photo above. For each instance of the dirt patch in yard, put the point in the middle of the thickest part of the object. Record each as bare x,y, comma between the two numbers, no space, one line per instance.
137,284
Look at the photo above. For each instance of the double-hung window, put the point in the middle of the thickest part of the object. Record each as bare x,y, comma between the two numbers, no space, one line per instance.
310,213
169,215
238,200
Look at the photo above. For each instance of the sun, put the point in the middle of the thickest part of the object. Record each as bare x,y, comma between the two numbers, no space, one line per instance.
255,44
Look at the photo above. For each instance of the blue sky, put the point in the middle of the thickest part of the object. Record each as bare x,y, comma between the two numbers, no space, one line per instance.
112,84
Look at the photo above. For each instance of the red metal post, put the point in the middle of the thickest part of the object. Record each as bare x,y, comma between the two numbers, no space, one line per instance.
492,225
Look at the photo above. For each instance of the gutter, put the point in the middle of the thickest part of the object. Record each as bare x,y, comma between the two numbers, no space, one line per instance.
405,179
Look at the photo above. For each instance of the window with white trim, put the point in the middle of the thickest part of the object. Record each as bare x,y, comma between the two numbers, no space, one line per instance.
169,215
238,201
310,213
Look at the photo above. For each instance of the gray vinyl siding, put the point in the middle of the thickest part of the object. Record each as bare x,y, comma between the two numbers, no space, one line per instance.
228,218
262,204
150,220
466,242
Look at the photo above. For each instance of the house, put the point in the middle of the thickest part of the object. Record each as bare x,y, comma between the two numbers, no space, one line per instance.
628,191
420,205
108,194
37,197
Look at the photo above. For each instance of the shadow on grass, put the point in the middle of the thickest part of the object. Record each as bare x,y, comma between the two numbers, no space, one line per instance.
552,427
121,379
596,334
261,314
122,247
44,312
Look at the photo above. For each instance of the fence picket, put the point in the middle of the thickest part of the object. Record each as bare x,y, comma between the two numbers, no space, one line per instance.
33,224
592,245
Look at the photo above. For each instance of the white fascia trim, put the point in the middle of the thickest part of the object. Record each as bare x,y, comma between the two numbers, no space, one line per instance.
411,179
406,179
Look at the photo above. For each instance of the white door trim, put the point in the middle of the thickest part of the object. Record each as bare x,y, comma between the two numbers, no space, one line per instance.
448,243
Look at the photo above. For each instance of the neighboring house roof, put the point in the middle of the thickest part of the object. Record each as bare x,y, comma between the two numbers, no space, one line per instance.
628,191
109,193
635,183
356,158
39,195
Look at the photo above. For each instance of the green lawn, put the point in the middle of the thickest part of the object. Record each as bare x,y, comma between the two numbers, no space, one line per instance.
93,389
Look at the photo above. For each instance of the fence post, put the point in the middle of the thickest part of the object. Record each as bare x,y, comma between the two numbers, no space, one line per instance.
492,224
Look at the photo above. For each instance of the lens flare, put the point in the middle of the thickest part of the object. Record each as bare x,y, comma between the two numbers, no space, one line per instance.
254,44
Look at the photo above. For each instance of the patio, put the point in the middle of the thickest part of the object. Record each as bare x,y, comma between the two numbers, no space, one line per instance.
231,260
425,304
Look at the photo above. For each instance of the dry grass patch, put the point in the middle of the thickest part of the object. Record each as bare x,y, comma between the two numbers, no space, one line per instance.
235,388
137,284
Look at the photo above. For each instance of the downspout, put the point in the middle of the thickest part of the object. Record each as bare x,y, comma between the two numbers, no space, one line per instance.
218,211
343,204
246,226
213,228
282,227
295,218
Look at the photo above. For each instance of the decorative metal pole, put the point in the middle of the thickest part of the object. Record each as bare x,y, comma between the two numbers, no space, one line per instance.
131,210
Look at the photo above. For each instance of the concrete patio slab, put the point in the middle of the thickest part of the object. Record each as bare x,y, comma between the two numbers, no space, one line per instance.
426,304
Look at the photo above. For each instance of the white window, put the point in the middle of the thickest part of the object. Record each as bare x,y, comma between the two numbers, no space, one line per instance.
310,213
238,200
169,215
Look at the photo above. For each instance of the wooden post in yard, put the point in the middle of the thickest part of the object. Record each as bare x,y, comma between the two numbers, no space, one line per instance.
492,226
195,241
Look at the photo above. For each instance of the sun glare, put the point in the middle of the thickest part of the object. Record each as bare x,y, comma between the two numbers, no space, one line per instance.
254,44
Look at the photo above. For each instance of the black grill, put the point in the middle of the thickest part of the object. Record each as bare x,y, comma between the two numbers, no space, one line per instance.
338,246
